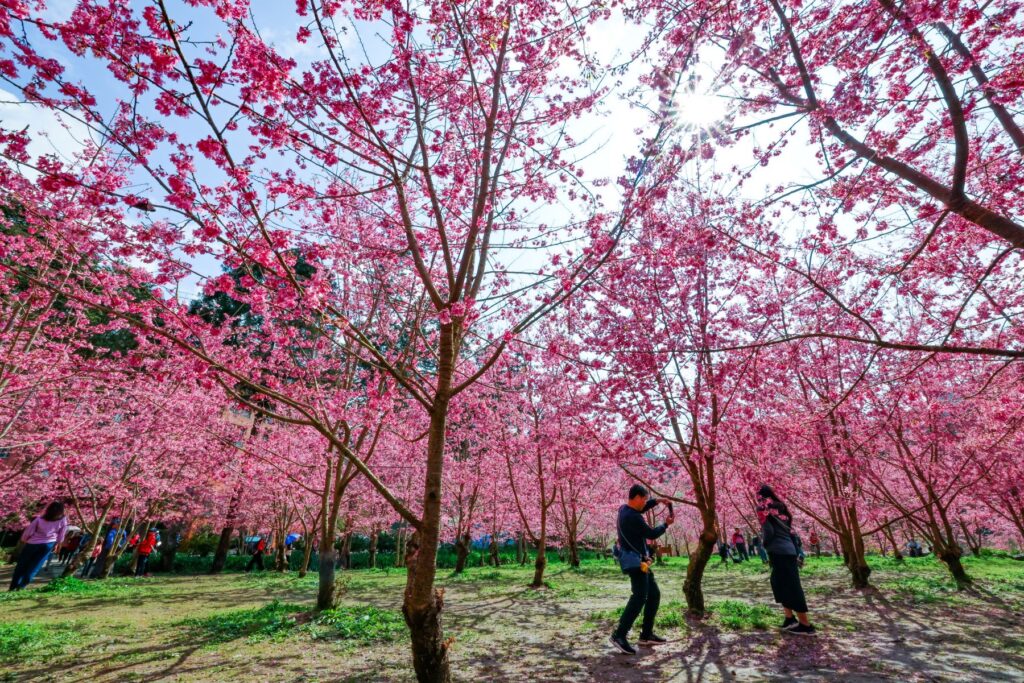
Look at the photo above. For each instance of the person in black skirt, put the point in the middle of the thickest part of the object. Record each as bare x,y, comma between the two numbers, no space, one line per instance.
782,545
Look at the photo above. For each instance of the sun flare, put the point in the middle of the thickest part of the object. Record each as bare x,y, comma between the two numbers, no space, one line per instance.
701,110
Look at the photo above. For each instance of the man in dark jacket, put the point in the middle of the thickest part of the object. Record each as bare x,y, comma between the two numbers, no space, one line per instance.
633,534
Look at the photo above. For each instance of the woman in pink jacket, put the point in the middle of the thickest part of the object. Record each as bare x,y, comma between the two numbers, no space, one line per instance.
45,532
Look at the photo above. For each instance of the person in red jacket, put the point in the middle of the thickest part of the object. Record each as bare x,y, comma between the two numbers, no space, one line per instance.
146,547
815,543
257,556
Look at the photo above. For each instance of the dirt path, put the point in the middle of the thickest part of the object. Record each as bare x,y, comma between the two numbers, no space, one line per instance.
916,628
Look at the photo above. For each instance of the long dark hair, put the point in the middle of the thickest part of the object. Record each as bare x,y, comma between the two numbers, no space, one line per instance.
767,492
54,511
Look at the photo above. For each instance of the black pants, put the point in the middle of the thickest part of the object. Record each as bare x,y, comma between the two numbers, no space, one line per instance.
785,581
257,561
141,564
741,550
645,596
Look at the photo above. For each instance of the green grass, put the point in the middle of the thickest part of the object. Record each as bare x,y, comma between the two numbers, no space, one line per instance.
923,589
742,616
115,587
273,621
23,641
734,615
363,623
471,574
277,620
283,580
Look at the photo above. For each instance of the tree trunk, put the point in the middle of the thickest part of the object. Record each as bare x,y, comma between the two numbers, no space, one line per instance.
461,553
856,562
169,548
692,590
400,544
307,553
896,554
220,557
115,552
326,596
521,555
345,556
574,553
973,543
423,604
85,553
280,556
951,558
495,558
372,555
110,560
541,562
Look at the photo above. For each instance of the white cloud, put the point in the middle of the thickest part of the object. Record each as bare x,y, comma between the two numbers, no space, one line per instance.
50,132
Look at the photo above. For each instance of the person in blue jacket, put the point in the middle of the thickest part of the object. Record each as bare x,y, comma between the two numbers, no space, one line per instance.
633,534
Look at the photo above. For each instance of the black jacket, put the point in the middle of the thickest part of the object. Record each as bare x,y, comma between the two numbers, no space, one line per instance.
634,531
779,538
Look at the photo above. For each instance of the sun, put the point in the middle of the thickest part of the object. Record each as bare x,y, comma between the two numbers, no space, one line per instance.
700,110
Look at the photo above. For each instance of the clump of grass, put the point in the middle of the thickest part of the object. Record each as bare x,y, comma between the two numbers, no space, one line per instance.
923,589
273,621
605,614
741,616
69,585
575,589
671,614
729,614
362,623
119,587
478,575
24,641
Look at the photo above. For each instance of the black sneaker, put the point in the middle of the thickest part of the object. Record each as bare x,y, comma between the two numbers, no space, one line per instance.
622,644
652,639
789,623
801,630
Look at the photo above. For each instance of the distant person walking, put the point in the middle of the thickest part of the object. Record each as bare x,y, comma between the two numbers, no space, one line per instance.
146,547
740,544
757,547
257,556
815,542
782,546
723,551
43,533
634,557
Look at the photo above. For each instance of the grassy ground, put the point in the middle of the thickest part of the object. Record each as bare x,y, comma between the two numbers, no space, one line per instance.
914,627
